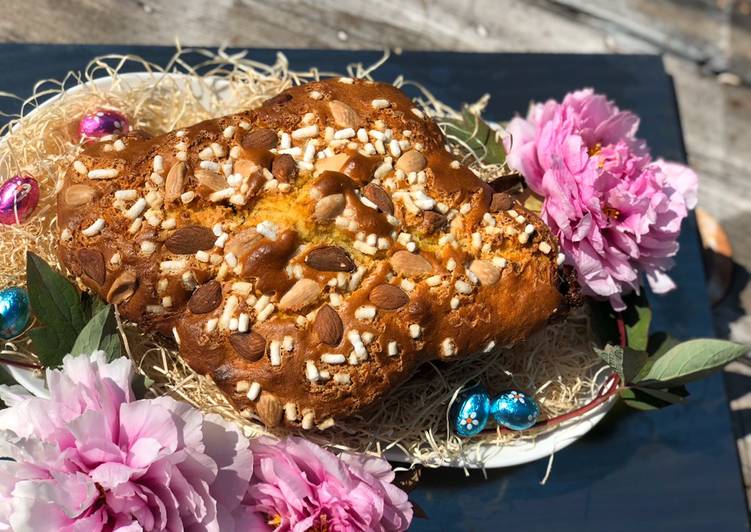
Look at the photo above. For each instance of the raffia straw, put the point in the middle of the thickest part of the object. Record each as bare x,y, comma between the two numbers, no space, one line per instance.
556,364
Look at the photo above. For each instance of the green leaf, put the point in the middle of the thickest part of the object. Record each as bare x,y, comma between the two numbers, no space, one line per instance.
637,318
45,342
603,324
674,395
92,305
483,140
140,384
659,343
7,379
626,362
689,361
653,399
100,333
57,305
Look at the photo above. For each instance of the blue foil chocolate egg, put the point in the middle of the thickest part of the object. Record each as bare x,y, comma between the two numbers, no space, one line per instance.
515,410
470,412
14,311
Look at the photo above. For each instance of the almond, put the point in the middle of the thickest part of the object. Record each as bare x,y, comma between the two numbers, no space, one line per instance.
333,164
329,207
432,222
77,195
190,239
263,139
206,298
250,346
501,202
211,180
408,264
303,293
505,182
388,297
269,409
344,116
486,272
329,259
411,161
259,157
122,288
328,326
92,264
380,197
242,243
256,182
174,184
284,97
284,168
245,167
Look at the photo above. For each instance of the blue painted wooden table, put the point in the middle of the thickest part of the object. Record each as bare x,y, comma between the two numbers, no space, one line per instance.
672,470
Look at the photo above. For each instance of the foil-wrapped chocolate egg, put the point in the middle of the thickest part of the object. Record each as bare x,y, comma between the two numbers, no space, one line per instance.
515,410
14,311
470,412
102,123
19,196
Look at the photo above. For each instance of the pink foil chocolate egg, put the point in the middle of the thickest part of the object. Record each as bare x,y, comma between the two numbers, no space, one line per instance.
102,123
19,196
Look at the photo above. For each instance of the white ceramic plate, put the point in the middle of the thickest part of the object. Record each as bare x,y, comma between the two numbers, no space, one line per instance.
492,456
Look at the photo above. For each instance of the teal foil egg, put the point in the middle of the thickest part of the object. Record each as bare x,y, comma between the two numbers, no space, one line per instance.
14,311
470,412
515,410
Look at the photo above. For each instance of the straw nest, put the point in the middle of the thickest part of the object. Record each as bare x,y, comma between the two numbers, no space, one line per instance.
556,364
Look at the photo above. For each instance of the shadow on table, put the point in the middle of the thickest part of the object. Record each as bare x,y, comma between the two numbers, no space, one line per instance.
730,308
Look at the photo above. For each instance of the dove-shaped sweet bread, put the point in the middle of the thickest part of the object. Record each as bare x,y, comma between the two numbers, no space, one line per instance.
309,254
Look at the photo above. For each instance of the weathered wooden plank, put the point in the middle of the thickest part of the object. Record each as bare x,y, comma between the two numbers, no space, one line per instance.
710,33
307,23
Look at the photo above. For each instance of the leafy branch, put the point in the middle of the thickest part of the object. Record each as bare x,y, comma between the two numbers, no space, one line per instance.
477,136
71,322
655,367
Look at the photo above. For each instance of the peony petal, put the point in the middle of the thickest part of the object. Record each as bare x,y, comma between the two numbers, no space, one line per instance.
147,419
50,504
133,499
111,475
617,127
144,452
521,152
230,451
14,395
659,281
154,460
682,178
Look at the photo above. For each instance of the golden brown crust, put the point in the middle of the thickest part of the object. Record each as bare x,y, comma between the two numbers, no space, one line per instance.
339,195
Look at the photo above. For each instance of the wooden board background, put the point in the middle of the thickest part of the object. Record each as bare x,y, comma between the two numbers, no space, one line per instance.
706,46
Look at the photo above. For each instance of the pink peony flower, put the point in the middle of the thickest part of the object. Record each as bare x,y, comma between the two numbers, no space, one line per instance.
299,486
92,458
616,212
